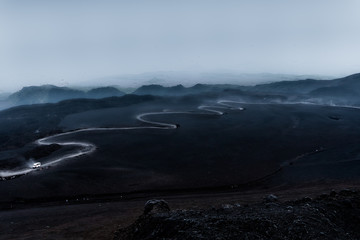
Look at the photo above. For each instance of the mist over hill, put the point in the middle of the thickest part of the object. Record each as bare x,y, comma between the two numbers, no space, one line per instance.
267,136
344,90
338,91
229,112
4,95
44,94
103,92
188,78
53,94
180,90
308,85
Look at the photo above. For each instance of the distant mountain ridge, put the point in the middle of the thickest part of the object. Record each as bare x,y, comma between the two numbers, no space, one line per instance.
308,85
103,92
52,94
188,78
342,90
44,94
180,90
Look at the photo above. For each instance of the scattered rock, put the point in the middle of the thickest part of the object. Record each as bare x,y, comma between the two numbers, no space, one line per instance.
333,193
227,206
156,206
271,205
289,209
323,195
271,198
304,200
346,192
331,217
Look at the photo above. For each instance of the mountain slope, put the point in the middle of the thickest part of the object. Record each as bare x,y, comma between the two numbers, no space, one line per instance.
53,94
309,85
180,90
159,90
44,94
104,92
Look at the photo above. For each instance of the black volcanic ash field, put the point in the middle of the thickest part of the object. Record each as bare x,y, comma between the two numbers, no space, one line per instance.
310,142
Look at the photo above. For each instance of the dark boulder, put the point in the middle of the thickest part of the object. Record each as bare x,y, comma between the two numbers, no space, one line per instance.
156,206
271,198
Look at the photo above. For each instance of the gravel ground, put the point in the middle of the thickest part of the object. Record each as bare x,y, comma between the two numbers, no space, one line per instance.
329,216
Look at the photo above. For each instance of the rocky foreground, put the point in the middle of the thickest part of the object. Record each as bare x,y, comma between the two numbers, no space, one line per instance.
329,216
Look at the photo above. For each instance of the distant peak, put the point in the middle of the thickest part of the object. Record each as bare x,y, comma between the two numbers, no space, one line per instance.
46,86
199,85
353,76
152,86
178,86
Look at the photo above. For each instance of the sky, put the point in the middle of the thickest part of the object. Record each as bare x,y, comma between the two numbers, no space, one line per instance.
71,41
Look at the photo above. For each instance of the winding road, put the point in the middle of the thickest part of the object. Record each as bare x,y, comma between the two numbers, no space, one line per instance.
84,148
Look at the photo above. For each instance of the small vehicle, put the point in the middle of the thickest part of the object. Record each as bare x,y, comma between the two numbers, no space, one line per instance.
36,165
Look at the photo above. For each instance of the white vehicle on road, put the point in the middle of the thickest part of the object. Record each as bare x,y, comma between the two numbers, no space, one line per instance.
36,165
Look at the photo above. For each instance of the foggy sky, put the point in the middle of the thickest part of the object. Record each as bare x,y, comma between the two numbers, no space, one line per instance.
70,41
